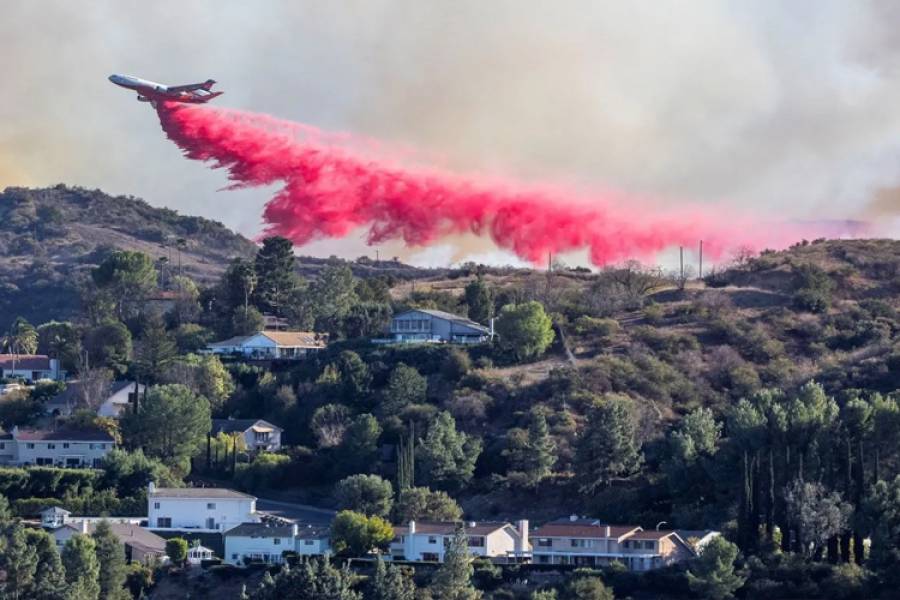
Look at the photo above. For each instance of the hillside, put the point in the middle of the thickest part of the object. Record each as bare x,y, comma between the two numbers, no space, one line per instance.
50,238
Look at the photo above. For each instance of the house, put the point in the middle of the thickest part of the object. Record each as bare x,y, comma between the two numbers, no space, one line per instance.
269,345
115,400
427,541
259,542
140,545
697,539
197,554
63,447
313,540
33,367
426,325
259,435
207,509
590,543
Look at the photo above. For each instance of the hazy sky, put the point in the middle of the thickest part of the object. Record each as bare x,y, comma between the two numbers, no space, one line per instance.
791,109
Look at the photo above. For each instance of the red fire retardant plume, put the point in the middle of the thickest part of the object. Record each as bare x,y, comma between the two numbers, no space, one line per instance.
331,189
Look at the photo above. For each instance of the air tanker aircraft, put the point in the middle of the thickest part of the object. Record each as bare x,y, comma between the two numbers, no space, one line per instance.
149,91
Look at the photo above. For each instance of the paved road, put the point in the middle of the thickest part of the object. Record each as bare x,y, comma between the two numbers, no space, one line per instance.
302,513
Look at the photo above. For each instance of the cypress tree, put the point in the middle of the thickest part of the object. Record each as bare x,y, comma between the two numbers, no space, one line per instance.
79,556
19,562
50,578
453,580
391,583
111,557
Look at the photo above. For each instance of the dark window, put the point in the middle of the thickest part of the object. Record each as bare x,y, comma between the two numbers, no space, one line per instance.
476,541
545,542
277,541
164,522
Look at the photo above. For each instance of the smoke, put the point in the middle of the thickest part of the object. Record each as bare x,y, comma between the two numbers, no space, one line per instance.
332,185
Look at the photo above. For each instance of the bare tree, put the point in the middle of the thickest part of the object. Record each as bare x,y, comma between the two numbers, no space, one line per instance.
93,384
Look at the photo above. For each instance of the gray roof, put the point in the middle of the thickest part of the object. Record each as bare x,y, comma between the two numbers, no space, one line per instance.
239,425
260,530
313,532
440,314
200,493
71,395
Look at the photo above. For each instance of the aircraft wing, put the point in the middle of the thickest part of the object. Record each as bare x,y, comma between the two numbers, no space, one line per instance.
206,85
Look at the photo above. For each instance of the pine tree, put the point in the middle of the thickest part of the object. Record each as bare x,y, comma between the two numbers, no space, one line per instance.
448,456
609,447
274,267
19,562
541,449
391,583
111,556
712,574
453,580
480,300
79,556
50,578
156,349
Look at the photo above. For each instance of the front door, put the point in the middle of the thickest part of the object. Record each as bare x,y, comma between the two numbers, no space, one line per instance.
210,523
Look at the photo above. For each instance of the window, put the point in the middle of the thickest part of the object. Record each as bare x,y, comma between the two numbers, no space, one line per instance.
307,542
234,557
73,462
277,541
30,446
432,539
648,545
43,461
164,522
476,541
51,446
65,444
156,505
545,542
98,462
2,445
210,506
90,446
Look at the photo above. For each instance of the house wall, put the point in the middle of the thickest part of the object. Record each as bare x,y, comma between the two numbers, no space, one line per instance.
415,546
270,548
419,326
192,513
273,445
60,452
312,547
500,543
118,402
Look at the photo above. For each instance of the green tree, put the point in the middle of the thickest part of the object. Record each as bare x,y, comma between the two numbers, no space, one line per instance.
589,588
50,576
274,267
312,579
155,349
816,513
125,278
331,297
609,447
405,386
423,504
366,494
367,319
61,341
532,460
447,456
171,424
109,345
480,300
246,321
177,550
354,377
187,306
712,574
391,583
882,511
453,579
111,557
355,534
456,365
359,448
525,330
205,375
130,472
329,424
18,562
237,286
79,557
22,338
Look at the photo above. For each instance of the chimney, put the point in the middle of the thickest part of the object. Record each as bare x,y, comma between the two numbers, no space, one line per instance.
84,527
296,529
412,528
573,518
608,531
151,487
522,544
472,524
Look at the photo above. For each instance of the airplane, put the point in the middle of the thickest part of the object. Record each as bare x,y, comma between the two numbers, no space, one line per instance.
150,91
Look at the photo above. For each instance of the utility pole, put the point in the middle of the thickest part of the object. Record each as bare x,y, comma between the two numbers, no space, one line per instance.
549,262
700,270
681,260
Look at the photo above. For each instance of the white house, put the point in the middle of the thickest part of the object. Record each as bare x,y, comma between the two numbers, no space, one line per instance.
259,435
268,345
259,542
428,541
63,447
313,540
426,325
116,399
33,367
197,554
206,509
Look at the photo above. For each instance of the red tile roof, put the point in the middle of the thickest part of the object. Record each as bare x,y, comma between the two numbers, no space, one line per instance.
30,362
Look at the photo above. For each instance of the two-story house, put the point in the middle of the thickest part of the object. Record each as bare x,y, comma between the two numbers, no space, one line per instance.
259,435
62,448
427,325
590,543
206,509
259,542
428,541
